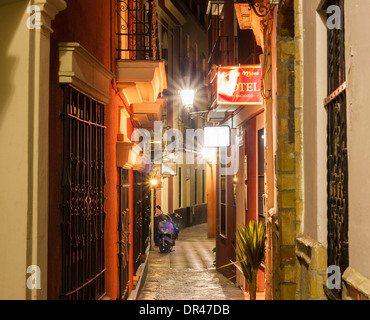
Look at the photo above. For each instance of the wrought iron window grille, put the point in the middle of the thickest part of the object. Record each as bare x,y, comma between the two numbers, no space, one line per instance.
337,158
123,234
82,229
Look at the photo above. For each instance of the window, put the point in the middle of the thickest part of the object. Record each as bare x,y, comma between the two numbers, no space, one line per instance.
83,269
136,27
123,234
337,161
138,218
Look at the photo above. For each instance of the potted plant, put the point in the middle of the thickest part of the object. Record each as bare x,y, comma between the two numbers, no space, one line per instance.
250,251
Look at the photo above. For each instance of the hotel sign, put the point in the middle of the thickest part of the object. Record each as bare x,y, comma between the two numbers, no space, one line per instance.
239,85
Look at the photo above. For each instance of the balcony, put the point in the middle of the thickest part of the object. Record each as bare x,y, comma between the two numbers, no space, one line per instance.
137,30
141,81
141,77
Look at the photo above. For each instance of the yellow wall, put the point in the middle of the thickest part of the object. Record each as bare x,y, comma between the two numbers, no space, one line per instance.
24,90
15,149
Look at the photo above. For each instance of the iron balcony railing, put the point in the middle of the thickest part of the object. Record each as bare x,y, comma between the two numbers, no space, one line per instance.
137,30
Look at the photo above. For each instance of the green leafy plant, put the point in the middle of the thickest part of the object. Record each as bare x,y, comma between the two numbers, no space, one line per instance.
250,251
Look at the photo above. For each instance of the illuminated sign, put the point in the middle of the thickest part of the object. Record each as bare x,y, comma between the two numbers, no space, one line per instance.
239,85
217,136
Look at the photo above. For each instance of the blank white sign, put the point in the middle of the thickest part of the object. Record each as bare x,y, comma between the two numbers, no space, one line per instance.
217,137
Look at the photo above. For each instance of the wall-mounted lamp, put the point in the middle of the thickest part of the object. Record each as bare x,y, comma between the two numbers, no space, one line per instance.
260,10
153,182
187,98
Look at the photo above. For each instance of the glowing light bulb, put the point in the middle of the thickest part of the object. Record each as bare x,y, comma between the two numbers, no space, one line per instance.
153,182
187,97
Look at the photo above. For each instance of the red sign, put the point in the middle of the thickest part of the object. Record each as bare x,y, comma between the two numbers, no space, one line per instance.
239,85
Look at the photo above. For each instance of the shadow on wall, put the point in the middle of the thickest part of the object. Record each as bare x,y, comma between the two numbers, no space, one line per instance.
11,21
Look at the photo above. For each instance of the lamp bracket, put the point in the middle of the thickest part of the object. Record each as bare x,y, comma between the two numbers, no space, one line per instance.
259,9
201,114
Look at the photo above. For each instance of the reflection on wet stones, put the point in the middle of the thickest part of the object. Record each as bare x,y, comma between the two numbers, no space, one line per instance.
188,272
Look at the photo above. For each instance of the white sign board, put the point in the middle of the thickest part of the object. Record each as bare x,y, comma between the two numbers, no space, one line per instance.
217,137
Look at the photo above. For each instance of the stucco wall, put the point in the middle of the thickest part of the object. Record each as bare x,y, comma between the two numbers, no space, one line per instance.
24,146
14,145
315,121
358,135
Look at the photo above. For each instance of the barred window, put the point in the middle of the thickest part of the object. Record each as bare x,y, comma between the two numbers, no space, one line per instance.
83,268
337,160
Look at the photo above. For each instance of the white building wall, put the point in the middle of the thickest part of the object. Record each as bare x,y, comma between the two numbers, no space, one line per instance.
357,43
315,121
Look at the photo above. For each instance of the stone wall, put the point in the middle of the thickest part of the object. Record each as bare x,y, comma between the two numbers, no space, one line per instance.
289,164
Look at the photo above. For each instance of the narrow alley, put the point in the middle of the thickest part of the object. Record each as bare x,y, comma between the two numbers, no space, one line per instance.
188,273
245,121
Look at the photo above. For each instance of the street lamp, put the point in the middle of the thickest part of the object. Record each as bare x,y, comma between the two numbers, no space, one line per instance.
187,98
153,182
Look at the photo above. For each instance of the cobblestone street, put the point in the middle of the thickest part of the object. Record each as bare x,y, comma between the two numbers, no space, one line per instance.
188,273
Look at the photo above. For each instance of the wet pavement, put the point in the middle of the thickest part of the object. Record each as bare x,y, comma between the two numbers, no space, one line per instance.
188,273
